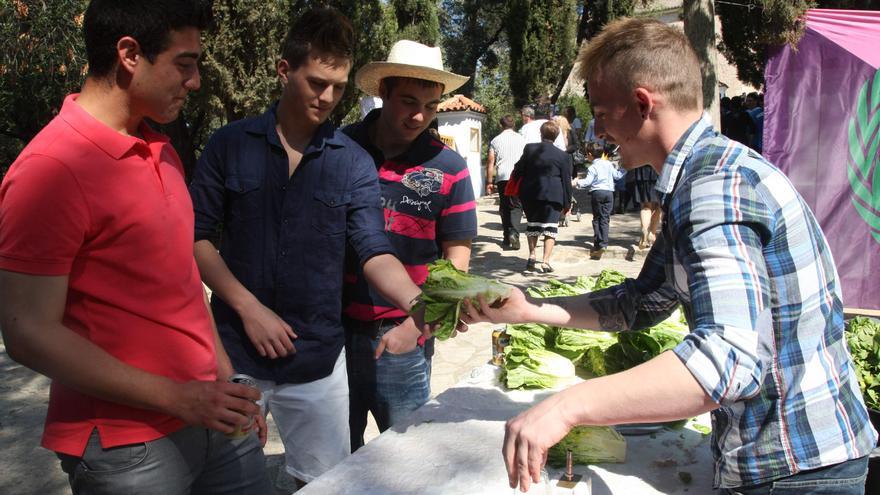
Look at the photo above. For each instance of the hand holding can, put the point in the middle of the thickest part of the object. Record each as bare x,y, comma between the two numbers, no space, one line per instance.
243,431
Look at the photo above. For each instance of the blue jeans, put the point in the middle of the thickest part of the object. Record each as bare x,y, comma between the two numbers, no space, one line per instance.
191,460
390,387
846,478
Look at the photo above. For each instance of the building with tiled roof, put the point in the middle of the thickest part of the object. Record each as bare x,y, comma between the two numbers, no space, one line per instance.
460,120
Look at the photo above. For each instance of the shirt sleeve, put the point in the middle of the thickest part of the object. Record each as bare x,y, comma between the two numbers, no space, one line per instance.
44,218
458,219
365,218
207,190
723,225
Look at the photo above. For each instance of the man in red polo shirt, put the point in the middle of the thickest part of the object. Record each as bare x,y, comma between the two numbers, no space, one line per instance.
99,287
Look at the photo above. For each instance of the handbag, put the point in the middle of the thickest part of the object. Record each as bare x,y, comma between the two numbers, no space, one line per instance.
512,187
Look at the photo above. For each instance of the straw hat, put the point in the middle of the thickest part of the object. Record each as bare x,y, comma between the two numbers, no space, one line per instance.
408,59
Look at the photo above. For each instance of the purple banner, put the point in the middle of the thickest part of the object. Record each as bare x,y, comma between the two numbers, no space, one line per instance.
821,120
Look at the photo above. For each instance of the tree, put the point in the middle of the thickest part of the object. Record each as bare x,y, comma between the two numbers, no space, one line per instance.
749,27
542,44
42,59
417,20
469,30
699,26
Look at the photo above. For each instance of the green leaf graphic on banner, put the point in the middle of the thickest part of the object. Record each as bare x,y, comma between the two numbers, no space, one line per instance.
864,140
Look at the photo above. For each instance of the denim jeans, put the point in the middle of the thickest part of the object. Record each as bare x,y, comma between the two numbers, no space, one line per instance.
191,460
390,387
846,478
601,203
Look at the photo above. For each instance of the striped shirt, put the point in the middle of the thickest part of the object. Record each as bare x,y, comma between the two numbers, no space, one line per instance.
508,147
743,253
428,199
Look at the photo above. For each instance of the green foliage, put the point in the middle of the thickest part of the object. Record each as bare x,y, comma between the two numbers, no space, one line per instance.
748,32
535,368
541,37
557,288
238,77
493,92
589,445
446,288
42,59
471,33
863,338
417,20
580,103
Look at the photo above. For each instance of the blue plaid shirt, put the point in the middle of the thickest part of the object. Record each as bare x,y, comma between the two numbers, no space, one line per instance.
742,252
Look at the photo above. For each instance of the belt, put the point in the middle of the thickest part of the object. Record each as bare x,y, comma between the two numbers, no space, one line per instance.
374,329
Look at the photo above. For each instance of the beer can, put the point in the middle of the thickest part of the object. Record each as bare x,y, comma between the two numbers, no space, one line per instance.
243,431
500,339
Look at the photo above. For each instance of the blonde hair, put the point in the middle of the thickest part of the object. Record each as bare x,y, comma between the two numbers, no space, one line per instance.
564,127
647,53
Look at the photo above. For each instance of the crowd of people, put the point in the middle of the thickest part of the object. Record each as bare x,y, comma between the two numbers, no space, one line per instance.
315,241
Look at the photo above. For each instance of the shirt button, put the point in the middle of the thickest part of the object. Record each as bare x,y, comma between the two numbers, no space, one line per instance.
283,253
332,202
283,188
284,221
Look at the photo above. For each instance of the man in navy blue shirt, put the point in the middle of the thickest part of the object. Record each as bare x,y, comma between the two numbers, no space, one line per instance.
287,193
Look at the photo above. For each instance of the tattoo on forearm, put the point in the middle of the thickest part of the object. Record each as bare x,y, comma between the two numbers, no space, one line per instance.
606,306
611,323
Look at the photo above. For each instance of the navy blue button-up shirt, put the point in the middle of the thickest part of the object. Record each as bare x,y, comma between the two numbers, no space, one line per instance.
284,238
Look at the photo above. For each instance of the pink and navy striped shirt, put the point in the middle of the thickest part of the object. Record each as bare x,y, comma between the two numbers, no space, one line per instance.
428,199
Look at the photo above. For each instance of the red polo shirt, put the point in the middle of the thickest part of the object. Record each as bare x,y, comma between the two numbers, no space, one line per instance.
113,214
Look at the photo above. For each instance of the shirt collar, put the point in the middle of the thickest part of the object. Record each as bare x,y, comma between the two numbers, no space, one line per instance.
101,135
264,125
682,149
424,143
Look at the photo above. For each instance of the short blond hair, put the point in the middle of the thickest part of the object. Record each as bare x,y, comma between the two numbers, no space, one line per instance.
648,53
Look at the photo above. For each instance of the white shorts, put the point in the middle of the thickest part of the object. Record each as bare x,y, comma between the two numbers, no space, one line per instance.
312,420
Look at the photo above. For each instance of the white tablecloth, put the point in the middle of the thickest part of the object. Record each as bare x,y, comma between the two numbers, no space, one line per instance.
452,445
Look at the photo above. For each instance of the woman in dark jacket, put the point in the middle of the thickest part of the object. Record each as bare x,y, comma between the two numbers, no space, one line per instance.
545,192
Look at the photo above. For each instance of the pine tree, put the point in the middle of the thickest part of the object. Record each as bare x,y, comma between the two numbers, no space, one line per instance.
542,44
417,20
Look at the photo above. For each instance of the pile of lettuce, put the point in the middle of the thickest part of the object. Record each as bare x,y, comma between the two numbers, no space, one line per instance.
535,368
863,337
446,288
597,353
589,445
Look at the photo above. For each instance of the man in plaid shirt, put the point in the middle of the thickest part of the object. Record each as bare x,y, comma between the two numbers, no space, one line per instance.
742,253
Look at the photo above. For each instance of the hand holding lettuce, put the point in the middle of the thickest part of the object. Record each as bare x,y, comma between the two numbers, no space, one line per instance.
446,288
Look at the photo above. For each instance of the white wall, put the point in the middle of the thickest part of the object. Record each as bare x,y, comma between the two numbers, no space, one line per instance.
458,125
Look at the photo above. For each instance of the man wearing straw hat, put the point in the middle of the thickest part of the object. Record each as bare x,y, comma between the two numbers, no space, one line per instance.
429,213
290,194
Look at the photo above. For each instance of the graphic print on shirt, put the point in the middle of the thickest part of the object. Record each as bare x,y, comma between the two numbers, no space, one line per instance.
425,181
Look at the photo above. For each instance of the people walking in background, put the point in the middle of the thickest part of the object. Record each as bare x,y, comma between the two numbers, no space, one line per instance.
600,181
505,150
545,192
754,106
738,125
577,125
99,288
531,128
430,214
648,198
288,195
